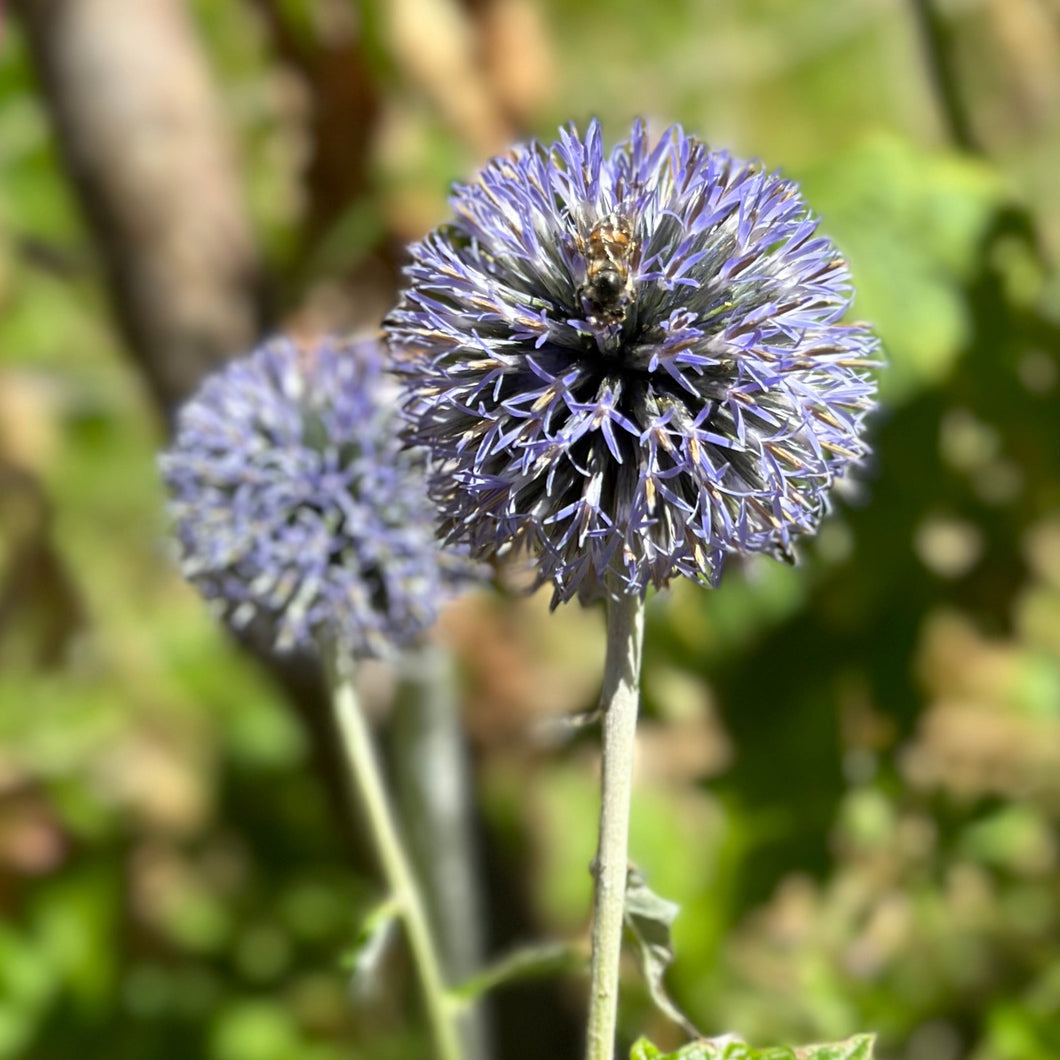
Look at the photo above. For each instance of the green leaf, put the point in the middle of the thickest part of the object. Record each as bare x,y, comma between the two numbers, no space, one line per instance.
649,919
527,962
643,1050
365,959
860,1047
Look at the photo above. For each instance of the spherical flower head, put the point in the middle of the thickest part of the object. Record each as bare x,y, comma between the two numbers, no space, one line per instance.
635,364
295,502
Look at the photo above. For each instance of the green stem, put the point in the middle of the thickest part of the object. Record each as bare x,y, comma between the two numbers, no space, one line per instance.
368,780
619,700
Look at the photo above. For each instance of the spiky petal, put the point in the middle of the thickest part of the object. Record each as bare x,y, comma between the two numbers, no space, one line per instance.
634,363
295,503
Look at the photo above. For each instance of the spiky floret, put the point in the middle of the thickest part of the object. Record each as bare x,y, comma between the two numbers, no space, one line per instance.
634,363
295,503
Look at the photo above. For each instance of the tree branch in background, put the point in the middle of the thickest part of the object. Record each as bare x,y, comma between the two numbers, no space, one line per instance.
517,60
935,38
436,46
345,105
140,129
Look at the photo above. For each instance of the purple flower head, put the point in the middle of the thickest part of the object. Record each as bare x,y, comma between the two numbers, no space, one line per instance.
294,501
634,363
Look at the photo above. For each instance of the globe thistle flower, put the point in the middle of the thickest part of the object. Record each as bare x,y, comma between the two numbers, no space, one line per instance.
295,502
633,363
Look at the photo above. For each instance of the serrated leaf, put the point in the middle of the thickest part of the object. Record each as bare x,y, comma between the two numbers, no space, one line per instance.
860,1047
643,1050
528,962
649,919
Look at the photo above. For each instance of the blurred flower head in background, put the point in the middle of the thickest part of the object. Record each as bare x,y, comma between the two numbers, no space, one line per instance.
294,501
634,364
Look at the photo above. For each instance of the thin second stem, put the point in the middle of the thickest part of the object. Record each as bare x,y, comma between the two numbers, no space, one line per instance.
619,699
397,869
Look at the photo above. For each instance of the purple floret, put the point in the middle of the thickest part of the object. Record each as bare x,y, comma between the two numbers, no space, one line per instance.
296,504
633,364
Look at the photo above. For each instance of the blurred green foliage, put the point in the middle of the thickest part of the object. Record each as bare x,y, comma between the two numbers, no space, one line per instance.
849,771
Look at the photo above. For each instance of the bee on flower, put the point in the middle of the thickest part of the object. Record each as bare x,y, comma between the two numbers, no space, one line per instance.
634,363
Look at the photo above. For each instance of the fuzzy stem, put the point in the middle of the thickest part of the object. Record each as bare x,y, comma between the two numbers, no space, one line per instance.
367,778
619,700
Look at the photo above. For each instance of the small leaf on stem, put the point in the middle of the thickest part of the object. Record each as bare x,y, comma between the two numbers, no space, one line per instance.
365,958
649,919
528,962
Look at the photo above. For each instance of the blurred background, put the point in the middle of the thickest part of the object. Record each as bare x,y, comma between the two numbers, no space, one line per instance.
849,772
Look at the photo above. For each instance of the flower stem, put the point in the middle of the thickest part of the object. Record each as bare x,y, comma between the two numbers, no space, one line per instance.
619,700
367,778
